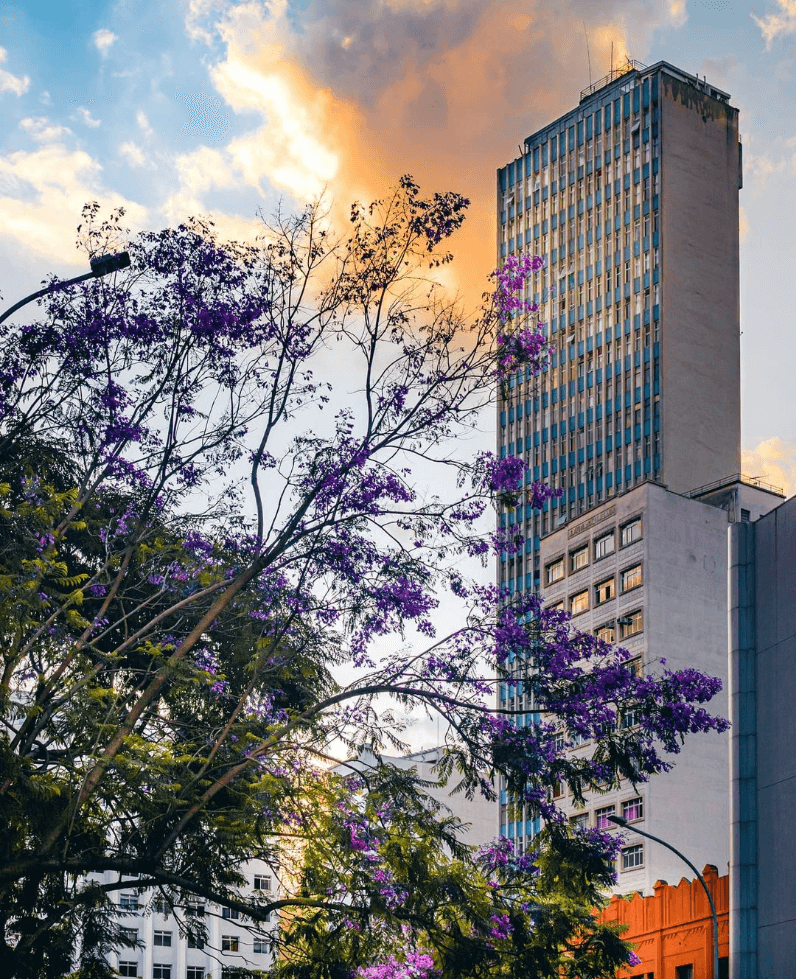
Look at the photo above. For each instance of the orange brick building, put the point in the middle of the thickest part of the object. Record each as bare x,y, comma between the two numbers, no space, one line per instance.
672,929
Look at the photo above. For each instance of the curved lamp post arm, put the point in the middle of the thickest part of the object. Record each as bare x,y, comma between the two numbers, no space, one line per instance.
99,267
623,822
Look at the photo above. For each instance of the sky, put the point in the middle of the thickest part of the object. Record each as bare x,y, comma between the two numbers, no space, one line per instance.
173,108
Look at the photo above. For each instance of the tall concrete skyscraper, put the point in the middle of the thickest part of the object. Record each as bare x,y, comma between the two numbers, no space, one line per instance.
632,199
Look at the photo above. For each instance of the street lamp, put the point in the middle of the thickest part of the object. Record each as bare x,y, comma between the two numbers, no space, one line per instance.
103,265
620,821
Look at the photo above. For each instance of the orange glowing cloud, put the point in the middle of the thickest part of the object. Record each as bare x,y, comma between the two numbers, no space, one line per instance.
442,89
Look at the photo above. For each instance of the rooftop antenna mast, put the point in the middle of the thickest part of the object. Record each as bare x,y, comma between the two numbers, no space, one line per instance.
612,60
588,55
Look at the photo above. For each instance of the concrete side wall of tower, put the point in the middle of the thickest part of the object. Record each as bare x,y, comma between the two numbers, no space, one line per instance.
700,170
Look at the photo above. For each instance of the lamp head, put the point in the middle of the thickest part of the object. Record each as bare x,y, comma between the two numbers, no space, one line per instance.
105,264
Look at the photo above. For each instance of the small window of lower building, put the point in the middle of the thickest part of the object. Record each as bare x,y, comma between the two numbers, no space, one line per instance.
633,856
230,913
631,624
260,946
631,532
604,591
606,632
128,969
161,971
128,902
230,943
633,809
603,546
162,938
579,559
581,821
684,971
632,578
195,972
601,820
262,882
579,603
554,571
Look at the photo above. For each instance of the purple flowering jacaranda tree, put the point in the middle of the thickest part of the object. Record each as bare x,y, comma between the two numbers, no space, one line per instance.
208,516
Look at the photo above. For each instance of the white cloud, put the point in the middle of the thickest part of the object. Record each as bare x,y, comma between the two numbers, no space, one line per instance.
42,130
103,40
774,461
198,17
83,115
61,181
133,154
777,24
12,83
143,123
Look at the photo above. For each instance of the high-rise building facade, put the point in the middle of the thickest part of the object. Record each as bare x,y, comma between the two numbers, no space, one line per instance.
632,200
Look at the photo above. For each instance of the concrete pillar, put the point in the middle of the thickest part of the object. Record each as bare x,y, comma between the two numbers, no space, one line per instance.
743,752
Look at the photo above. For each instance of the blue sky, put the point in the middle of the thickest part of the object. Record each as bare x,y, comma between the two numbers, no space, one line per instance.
178,107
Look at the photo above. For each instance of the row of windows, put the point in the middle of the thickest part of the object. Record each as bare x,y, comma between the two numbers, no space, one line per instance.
603,546
161,970
129,901
632,810
605,590
630,624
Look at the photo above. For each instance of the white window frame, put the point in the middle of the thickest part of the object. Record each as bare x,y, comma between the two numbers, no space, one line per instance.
636,849
605,538
638,803
634,523
584,608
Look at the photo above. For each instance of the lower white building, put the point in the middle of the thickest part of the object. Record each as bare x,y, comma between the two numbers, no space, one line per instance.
648,569
201,941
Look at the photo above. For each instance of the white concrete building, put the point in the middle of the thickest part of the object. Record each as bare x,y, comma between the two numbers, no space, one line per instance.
166,947
649,571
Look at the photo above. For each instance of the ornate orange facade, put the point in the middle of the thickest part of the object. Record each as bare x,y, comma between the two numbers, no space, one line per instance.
672,928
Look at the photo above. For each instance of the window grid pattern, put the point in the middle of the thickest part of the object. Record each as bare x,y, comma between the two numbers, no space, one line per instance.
592,211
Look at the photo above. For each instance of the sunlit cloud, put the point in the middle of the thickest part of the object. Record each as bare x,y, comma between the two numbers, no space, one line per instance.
104,40
15,84
678,14
133,154
42,130
83,115
43,193
777,24
143,123
774,461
